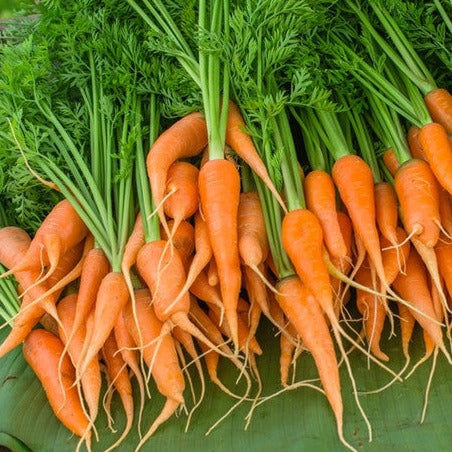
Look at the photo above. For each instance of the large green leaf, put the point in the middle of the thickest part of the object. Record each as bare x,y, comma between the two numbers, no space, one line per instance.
295,420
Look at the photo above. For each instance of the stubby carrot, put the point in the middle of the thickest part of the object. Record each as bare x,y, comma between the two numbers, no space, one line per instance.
390,161
439,104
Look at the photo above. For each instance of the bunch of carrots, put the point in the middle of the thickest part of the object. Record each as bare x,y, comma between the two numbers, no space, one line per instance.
173,244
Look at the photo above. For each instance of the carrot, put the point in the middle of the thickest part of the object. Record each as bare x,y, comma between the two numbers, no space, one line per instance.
118,375
201,258
126,344
243,145
305,313
204,291
321,201
391,162
42,351
91,380
212,273
445,211
354,180
373,311
61,229
287,349
394,259
407,322
416,150
185,138
386,211
181,192
219,189
111,298
439,104
437,149
252,235
182,238
14,244
166,284
256,289
443,252
413,286
161,357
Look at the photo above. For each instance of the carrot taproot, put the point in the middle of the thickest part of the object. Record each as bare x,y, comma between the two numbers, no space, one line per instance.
160,355
439,105
182,238
386,211
185,138
391,162
287,349
373,311
256,289
91,380
443,252
219,189
243,145
164,274
414,143
437,149
111,298
181,192
118,375
212,273
61,229
42,351
201,289
320,196
394,259
126,346
407,322
305,313
413,286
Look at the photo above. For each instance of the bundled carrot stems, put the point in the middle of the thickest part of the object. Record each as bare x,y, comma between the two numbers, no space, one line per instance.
209,168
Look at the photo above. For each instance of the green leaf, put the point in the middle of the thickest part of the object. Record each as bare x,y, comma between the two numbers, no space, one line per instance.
296,420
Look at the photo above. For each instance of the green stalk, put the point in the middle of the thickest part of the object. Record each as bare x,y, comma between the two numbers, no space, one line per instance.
444,15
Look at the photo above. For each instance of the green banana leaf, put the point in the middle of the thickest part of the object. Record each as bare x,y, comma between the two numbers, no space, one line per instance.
295,420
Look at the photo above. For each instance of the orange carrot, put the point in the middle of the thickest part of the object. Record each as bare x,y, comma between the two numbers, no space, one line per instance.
111,298
321,200
185,138
182,186
437,149
204,291
394,259
407,322
418,194
413,286
306,315
443,252
160,355
183,239
91,380
386,211
61,229
287,349
445,211
42,351
219,189
416,150
439,104
241,142
252,235
212,273
118,375
390,161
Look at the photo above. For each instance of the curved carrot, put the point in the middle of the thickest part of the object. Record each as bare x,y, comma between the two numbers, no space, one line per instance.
390,161
386,211
243,145
91,380
418,194
439,104
185,138
321,200
219,189
437,149
42,351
